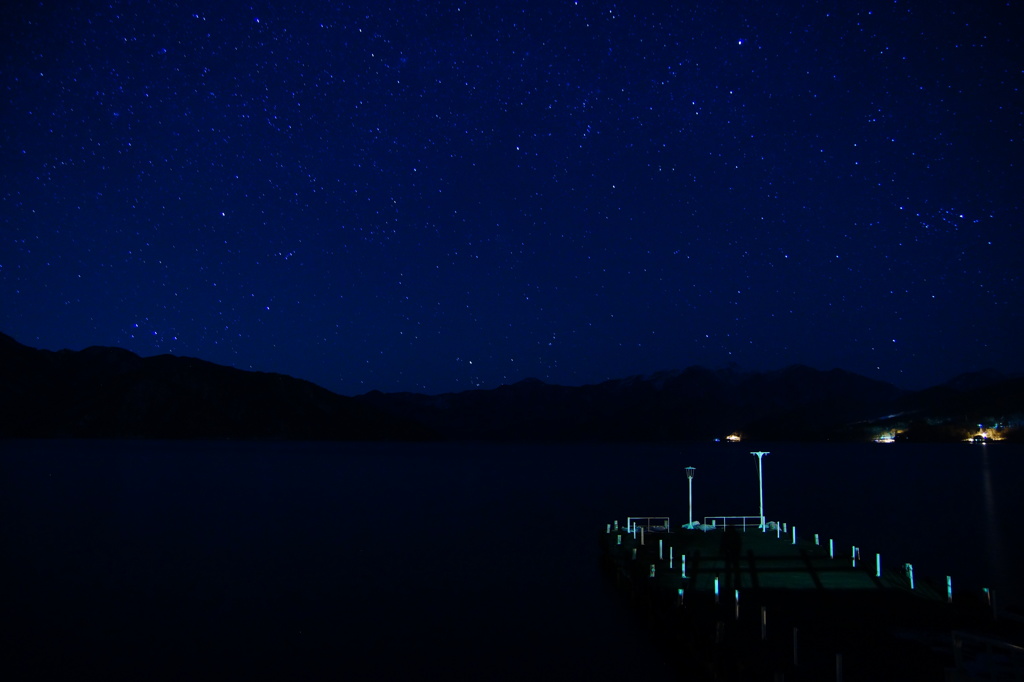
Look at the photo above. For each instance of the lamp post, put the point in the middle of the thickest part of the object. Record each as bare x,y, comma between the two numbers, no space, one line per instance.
760,483
689,477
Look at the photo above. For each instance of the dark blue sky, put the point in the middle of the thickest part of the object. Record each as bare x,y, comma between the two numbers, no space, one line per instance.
433,196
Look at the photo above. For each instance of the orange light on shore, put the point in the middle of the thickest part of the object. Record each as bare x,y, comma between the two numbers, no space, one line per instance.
983,435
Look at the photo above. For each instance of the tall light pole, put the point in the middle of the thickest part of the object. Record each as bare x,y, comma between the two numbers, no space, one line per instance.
760,483
689,477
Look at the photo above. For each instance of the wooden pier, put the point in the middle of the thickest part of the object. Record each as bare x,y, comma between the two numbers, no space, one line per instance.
738,603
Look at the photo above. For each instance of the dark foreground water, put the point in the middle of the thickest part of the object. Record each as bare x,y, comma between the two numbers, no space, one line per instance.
146,560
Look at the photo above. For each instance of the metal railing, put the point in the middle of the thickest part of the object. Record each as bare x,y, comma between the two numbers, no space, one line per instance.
744,522
987,658
651,524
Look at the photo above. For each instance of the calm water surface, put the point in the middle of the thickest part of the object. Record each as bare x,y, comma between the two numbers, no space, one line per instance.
309,561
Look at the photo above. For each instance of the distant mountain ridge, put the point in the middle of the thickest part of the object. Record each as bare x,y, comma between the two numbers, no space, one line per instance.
696,403
113,393
110,392
797,403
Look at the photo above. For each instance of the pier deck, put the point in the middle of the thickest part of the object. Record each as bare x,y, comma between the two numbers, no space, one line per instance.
786,610
764,561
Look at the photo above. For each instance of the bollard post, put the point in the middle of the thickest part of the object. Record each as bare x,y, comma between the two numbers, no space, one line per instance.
683,560
778,530
831,549
618,539
737,604
670,557
641,535
794,535
990,596
878,565
681,594
816,539
716,589
853,555
910,574
949,589
661,544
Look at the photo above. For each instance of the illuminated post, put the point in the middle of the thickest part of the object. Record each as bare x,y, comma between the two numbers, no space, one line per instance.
689,477
990,596
760,484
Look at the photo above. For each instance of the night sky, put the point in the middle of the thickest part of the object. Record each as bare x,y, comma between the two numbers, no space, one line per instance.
433,196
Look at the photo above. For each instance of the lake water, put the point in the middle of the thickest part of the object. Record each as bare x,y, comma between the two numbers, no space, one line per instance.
140,560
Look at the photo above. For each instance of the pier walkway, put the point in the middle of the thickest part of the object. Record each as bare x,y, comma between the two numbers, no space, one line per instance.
767,560
753,605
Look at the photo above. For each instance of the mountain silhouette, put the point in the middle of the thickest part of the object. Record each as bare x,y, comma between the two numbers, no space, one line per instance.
112,393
